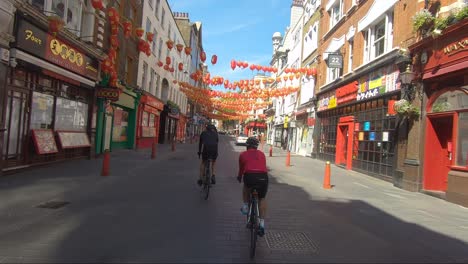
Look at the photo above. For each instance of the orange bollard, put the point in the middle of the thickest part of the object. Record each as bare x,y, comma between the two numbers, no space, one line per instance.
153,151
288,159
105,163
326,179
271,150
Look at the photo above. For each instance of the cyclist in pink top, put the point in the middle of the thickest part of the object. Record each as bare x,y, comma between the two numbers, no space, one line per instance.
252,167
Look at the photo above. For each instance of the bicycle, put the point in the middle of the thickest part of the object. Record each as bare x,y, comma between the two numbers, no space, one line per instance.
207,174
253,220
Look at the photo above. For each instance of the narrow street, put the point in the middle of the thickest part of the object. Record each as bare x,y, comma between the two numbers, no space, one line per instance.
151,211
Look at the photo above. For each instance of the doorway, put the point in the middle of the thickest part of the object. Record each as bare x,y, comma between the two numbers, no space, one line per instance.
438,152
344,142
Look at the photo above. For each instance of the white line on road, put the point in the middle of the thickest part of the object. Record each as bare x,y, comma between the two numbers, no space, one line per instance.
360,184
395,195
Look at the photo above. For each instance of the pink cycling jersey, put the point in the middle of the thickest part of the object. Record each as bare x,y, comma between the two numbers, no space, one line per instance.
252,161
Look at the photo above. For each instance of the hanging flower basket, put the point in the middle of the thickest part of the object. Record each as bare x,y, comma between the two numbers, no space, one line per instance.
404,108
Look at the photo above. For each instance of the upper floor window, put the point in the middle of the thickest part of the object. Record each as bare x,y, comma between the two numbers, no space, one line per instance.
154,43
333,74
311,40
148,25
350,55
336,12
378,38
150,3
160,48
162,18
169,31
297,36
69,10
156,9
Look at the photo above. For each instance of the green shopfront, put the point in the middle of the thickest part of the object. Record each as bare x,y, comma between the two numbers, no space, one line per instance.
116,120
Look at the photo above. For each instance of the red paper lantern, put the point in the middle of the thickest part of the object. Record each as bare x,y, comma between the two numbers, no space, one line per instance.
181,66
245,64
171,69
55,24
203,56
179,47
314,71
113,15
188,50
112,54
141,45
127,27
239,63
168,60
149,36
139,32
214,59
97,4
252,67
170,44
166,67
233,64
114,41
160,63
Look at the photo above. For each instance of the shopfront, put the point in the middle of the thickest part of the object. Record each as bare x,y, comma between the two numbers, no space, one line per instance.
305,127
48,101
443,65
168,124
124,120
149,112
357,124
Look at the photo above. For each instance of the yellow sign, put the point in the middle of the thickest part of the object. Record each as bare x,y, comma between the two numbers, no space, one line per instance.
332,102
286,120
456,47
65,52
30,36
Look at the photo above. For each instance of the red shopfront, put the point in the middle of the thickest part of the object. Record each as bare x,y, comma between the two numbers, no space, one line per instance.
443,65
148,121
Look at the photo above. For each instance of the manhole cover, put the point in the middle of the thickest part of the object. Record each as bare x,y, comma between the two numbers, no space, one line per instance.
293,241
53,204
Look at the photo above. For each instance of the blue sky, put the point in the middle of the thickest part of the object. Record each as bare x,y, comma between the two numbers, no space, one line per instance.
239,30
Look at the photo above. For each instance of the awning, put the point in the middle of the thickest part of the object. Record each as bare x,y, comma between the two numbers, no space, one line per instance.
51,67
378,8
456,67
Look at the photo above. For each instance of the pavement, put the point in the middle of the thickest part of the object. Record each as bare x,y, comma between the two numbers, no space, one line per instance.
152,211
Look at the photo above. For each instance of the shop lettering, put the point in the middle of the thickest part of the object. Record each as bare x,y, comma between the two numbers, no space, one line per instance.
30,36
66,53
91,68
343,91
453,48
368,94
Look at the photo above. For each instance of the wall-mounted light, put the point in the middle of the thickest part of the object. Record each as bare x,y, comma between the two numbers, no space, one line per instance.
406,79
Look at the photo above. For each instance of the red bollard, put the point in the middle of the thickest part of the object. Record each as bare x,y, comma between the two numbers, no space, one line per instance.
271,150
105,163
288,159
153,151
326,179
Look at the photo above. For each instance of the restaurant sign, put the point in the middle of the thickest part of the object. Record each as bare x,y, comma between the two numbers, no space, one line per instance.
111,94
36,41
379,82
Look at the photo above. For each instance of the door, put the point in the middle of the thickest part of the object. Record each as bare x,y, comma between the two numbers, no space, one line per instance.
15,142
438,152
344,142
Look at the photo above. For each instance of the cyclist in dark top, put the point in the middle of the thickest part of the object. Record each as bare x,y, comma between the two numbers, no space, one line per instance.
209,140
252,167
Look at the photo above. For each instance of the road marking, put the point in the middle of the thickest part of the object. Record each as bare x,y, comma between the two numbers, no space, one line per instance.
395,195
360,184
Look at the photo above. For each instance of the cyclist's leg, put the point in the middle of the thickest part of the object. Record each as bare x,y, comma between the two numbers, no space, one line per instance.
202,168
262,206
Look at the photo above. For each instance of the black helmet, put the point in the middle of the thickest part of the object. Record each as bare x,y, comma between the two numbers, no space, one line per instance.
252,142
211,127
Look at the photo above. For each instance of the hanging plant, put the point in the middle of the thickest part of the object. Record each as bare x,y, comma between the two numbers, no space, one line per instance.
404,108
423,21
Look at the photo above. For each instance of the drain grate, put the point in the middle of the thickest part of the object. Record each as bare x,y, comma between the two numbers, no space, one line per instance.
53,204
292,241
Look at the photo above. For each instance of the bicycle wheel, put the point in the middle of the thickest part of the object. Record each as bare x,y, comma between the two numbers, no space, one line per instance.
253,229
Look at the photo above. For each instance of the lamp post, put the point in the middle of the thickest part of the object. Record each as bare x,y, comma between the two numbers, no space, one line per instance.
406,79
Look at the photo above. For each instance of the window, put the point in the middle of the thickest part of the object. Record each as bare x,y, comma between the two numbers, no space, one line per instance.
119,131
462,145
162,18
378,38
42,111
154,43
70,115
350,55
169,31
150,3
143,78
158,90
148,25
336,13
151,83
311,40
160,48
333,74
69,10
156,10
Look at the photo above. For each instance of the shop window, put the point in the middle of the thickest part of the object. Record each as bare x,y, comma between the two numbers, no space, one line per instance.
120,129
42,111
450,101
70,115
462,146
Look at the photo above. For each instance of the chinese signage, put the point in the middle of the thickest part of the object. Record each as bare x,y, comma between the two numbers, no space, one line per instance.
37,42
108,93
456,47
378,83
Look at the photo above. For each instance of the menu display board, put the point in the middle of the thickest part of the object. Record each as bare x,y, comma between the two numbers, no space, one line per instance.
44,141
149,132
73,139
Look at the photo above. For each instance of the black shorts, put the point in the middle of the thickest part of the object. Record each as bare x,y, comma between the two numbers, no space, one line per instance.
257,180
209,152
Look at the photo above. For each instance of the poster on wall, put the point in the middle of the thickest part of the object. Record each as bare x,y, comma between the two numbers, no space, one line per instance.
372,136
44,141
357,126
384,136
361,136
